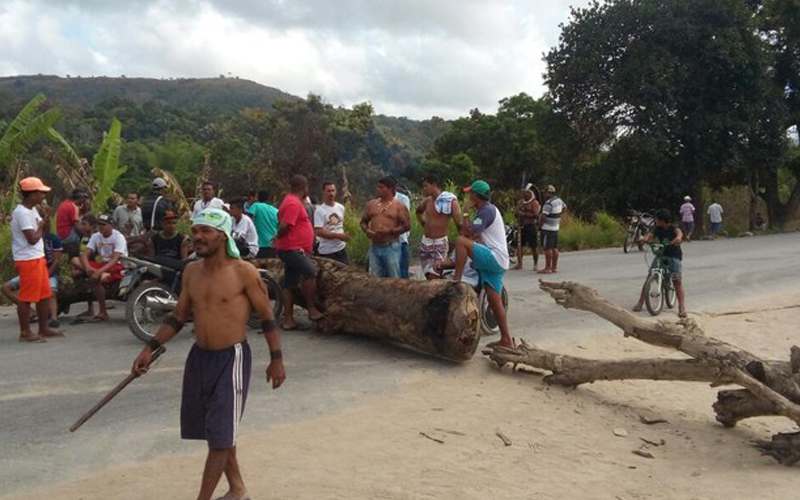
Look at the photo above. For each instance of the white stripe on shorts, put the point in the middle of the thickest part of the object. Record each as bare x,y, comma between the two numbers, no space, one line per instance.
237,389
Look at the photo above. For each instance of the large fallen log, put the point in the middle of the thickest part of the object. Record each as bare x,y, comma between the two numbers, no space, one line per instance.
434,317
770,388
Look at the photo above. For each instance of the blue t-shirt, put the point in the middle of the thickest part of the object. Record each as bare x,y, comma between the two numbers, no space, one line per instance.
265,218
51,245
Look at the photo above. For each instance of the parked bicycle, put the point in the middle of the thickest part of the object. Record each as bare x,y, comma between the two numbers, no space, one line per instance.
659,290
639,224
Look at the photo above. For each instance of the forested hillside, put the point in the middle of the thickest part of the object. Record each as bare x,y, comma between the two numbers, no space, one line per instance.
239,133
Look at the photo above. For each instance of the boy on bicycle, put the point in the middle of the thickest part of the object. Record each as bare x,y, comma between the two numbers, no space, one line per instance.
667,234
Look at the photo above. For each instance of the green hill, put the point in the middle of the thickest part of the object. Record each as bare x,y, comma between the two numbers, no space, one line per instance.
217,95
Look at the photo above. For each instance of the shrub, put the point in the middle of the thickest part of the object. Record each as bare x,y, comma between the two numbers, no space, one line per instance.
578,234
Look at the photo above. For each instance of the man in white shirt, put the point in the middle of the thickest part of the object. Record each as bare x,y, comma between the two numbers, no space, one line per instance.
207,199
550,223
484,243
404,256
101,261
715,217
687,218
329,226
244,230
27,247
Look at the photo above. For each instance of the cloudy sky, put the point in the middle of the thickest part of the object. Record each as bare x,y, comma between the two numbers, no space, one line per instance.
413,58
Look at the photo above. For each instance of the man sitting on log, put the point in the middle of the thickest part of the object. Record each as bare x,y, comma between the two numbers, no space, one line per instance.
385,219
484,242
434,214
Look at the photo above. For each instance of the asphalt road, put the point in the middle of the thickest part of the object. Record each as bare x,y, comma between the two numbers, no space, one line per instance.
45,387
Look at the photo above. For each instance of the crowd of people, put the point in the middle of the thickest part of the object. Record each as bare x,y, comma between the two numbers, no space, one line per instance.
96,244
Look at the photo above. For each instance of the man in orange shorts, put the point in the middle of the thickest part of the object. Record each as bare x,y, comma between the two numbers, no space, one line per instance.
27,247
109,245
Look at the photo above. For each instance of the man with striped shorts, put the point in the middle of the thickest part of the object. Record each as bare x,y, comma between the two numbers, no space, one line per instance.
218,292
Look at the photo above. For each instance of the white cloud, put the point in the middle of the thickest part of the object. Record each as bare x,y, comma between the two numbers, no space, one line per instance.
415,58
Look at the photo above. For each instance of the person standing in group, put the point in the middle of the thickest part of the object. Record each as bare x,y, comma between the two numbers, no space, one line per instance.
670,237
385,219
550,222
484,243
155,205
435,212
207,199
53,252
109,245
294,243
251,198
687,211
28,228
715,218
169,243
68,214
128,217
528,209
329,226
405,258
244,230
218,294
265,217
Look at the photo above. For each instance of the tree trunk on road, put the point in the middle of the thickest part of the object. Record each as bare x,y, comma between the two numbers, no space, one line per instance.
771,388
434,317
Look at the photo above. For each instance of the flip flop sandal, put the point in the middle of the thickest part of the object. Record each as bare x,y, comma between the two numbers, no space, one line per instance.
316,318
55,333
32,339
229,496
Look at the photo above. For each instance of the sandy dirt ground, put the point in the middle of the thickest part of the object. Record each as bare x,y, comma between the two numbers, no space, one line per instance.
563,442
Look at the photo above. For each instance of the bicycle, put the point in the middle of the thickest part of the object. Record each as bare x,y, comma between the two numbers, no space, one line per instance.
659,288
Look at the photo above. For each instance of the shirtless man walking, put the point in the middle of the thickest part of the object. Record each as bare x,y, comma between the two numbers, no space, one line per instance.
385,219
434,214
218,292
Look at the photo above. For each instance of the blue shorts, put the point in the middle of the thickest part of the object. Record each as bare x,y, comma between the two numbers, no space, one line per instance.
215,385
13,283
489,271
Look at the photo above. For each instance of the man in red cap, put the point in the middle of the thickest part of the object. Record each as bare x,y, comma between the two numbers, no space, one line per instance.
27,245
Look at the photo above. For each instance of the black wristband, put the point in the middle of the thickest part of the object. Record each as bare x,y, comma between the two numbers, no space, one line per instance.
273,355
153,344
267,325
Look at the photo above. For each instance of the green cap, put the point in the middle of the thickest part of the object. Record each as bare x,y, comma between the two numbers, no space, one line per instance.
480,188
221,221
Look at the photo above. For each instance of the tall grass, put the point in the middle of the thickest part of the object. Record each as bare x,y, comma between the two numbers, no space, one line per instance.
577,234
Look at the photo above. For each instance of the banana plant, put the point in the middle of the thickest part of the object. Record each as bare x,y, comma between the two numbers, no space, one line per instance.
106,167
30,125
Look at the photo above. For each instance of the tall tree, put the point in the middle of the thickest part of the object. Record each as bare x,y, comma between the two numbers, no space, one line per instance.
687,77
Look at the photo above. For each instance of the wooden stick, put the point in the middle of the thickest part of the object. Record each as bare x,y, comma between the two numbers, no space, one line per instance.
116,390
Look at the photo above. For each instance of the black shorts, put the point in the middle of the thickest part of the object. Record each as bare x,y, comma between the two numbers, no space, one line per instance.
340,256
549,239
297,267
215,385
266,253
530,235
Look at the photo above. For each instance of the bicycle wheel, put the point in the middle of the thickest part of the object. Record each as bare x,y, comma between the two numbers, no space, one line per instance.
670,296
653,294
628,241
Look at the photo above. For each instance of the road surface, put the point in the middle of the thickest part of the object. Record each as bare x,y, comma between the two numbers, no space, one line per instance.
45,387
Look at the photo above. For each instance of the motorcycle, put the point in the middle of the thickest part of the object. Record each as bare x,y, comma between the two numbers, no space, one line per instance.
150,289
638,225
